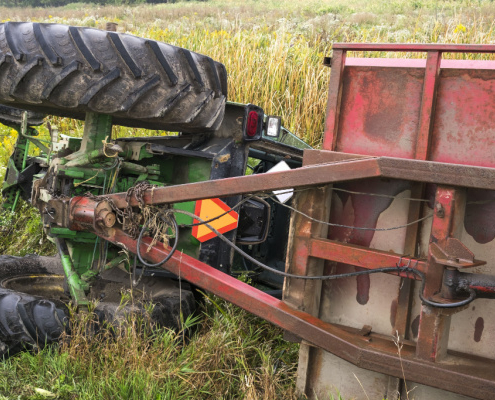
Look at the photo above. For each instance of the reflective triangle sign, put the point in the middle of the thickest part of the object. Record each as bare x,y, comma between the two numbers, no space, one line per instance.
211,208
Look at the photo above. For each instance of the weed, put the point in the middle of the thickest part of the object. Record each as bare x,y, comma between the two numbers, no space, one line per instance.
231,355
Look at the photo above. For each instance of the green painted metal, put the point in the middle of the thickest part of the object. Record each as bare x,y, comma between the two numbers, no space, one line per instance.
76,286
84,252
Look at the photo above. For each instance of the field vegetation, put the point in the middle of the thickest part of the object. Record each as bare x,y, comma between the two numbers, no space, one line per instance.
273,52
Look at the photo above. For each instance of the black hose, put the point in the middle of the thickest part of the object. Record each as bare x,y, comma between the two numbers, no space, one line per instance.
169,255
406,269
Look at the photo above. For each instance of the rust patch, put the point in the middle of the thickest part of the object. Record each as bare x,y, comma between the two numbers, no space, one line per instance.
362,211
478,329
363,288
479,219
415,327
224,158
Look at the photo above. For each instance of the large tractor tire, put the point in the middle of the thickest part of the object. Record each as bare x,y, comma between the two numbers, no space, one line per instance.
33,311
69,71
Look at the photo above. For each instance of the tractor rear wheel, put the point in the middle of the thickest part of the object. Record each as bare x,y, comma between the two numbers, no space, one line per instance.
69,71
33,310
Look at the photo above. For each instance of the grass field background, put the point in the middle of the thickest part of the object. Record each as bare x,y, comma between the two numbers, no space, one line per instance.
273,52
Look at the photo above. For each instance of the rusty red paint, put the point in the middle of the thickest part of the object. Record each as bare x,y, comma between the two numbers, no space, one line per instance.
362,211
478,329
463,128
419,63
479,220
82,213
410,47
428,101
314,175
334,99
362,257
372,121
434,325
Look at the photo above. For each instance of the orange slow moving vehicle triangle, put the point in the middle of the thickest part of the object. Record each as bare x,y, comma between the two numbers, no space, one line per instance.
211,208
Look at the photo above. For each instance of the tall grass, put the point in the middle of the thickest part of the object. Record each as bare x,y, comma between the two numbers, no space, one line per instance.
231,355
273,50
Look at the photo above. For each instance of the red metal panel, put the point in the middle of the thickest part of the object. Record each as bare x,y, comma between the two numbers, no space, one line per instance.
427,111
334,99
464,130
410,47
418,63
372,119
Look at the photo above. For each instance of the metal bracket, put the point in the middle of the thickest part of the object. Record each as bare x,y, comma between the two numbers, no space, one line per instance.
453,253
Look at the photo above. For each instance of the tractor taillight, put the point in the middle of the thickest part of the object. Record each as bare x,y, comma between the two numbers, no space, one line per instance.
253,123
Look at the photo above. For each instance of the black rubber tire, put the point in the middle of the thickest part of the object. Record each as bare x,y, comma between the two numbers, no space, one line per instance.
68,71
28,321
11,116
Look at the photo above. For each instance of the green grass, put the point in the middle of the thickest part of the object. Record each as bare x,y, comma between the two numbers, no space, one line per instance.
230,355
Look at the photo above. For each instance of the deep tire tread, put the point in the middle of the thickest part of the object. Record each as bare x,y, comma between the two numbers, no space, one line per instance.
12,117
69,71
172,101
117,42
59,78
5,59
48,51
130,102
35,62
163,61
193,66
19,56
27,322
100,85
86,53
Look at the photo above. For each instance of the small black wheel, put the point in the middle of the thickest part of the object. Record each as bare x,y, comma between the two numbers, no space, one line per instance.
69,71
33,302
11,116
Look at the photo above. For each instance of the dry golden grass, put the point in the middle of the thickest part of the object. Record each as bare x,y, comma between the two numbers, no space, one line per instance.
273,50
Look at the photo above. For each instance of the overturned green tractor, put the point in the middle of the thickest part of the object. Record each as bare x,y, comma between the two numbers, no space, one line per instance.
106,79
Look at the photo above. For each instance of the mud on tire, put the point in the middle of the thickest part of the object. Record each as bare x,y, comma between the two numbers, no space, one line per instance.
30,321
68,71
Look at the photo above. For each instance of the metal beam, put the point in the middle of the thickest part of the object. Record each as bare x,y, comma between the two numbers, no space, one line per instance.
470,377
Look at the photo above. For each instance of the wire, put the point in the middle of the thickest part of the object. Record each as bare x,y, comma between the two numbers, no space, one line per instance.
244,200
378,195
349,226
273,198
407,269
172,251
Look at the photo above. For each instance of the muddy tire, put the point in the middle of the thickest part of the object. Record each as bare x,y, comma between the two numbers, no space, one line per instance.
12,116
68,71
33,311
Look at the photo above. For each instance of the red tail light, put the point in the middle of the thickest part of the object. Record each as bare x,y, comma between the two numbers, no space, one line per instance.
253,123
